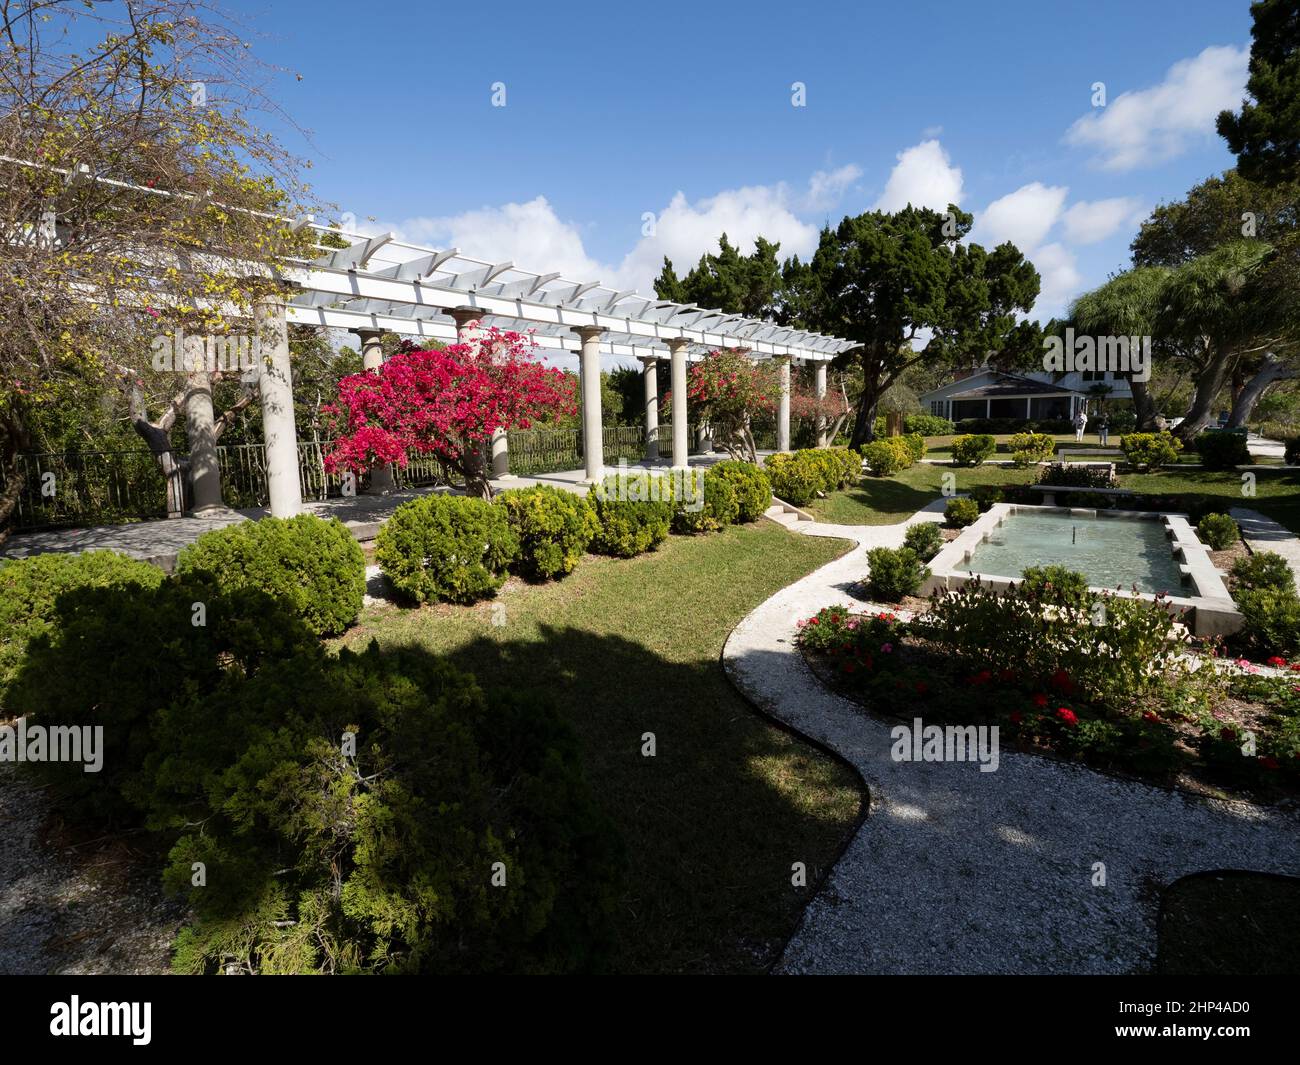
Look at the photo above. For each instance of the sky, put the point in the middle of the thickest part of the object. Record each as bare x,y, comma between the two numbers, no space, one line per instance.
633,132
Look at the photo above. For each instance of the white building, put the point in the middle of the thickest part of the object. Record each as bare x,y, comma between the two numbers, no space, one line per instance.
1037,396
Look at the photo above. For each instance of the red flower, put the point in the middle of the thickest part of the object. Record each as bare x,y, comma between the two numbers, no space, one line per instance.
1277,662
1067,715
1061,681
1150,715
1040,700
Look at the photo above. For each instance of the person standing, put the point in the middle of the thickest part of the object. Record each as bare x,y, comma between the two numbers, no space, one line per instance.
1080,424
1103,428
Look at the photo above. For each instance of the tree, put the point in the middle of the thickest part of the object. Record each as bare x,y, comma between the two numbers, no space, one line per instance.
884,280
749,285
728,389
1265,135
155,95
446,403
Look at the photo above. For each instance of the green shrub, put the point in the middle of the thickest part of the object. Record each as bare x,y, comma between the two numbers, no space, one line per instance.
925,424
446,547
633,511
1222,450
703,503
1271,620
887,456
30,589
1077,475
795,478
849,463
1150,451
753,489
915,444
972,449
553,527
961,512
925,539
894,573
1218,530
313,566
1030,448
1267,569
985,495
1057,586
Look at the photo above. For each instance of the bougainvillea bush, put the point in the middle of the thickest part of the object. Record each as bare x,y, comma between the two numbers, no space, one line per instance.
727,390
446,403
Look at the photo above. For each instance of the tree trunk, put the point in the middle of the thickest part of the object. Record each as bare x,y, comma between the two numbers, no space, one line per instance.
1209,383
1143,406
1272,370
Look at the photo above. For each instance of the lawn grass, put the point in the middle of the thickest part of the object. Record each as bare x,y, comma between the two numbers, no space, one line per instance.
1230,924
714,821
889,500
1276,494
940,447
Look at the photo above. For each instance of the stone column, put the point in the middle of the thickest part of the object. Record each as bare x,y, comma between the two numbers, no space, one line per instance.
372,358
650,377
783,411
200,429
681,445
593,440
276,387
822,425
500,446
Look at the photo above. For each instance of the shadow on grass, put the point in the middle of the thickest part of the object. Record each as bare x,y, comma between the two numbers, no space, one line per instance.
1230,923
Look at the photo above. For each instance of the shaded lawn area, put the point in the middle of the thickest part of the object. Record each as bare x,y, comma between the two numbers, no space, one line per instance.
1276,494
939,447
1230,923
714,821
888,500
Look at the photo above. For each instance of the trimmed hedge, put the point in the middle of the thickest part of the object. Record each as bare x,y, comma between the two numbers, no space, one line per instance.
1222,450
1029,448
1150,451
1267,569
1218,530
887,456
795,477
972,449
753,489
633,512
925,539
30,590
553,528
894,573
961,512
703,503
446,547
313,566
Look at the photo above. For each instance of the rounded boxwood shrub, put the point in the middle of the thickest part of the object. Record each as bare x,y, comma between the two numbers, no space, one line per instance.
795,478
985,495
31,588
633,513
1267,569
313,566
894,573
846,465
1222,450
553,527
925,539
1150,451
446,547
753,489
886,457
702,503
915,444
1218,530
1270,619
972,449
1056,585
961,512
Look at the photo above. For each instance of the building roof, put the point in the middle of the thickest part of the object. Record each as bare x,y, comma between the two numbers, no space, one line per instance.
1012,386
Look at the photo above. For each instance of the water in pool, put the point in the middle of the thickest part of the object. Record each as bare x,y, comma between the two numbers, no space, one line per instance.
1110,552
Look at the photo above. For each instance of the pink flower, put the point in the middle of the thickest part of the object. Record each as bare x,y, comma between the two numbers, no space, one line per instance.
887,648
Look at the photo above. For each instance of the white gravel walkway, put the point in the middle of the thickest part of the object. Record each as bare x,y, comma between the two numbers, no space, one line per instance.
958,871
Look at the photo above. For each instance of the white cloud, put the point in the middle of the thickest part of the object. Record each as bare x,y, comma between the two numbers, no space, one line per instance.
1023,217
923,177
1061,280
1148,126
684,231
529,234
1090,222
825,188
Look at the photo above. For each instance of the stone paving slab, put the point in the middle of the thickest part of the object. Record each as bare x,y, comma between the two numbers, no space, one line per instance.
959,871
1264,534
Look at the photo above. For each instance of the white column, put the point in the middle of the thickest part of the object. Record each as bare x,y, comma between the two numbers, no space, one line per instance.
276,387
200,429
783,411
593,439
372,358
650,377
677,349
822,425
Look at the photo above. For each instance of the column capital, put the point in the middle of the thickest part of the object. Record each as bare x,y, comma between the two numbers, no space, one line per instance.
464,315
588,332
676,342
366,334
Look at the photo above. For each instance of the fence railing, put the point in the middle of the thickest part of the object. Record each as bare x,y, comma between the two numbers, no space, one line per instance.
111,487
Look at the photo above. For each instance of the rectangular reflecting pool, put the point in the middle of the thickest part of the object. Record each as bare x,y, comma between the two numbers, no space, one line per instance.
1112,552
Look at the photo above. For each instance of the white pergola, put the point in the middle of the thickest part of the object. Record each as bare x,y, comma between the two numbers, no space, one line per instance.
379,284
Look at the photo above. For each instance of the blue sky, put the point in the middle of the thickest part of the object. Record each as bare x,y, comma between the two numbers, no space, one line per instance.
684,111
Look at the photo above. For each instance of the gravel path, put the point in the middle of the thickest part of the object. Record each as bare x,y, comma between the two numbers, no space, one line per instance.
94,908
958,871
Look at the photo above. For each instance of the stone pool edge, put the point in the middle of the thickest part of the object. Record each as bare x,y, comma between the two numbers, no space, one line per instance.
1209,611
